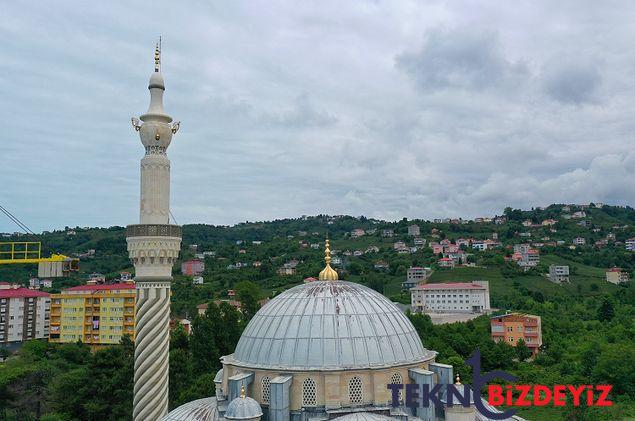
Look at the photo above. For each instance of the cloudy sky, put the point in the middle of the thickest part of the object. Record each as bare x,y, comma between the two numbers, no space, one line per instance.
387,109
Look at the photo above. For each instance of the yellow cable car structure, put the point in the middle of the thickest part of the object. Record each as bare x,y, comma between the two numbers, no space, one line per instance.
25,252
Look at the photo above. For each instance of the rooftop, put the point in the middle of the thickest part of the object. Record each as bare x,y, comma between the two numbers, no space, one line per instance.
105,287
21,293
451,285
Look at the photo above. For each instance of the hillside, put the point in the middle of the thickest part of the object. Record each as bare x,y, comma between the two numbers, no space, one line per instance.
270,244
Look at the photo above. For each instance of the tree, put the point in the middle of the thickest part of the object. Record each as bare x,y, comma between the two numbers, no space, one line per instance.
248,294
522,350
606,312
203,345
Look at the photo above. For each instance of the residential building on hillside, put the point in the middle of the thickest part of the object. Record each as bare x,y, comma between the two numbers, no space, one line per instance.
446,262
414,276
192,267
629,244
400,245
559,273
24,313
512,327
579,241
387,233
528,259
286,271
457,297
381,265
549,222
358,232
93,314
418,241
521,248
616,276
198,280
578,215
414,231
96,278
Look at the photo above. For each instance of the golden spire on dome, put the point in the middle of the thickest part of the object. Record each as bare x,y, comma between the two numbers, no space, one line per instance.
242,391
457,379
328,273
157,56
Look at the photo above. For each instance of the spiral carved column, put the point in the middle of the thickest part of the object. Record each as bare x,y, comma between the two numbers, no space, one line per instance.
152,343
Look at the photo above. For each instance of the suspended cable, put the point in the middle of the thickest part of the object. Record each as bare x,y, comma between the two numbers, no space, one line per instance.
16,220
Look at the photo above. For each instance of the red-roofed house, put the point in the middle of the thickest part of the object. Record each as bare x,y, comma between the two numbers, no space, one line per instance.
24,313
445,262
455,297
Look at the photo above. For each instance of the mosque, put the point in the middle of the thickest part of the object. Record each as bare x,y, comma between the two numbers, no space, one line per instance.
323,350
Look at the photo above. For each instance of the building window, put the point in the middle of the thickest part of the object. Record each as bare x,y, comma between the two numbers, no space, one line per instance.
356,390
309,393
266,388
397,379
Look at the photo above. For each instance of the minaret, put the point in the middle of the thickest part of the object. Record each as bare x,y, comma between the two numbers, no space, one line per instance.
153,246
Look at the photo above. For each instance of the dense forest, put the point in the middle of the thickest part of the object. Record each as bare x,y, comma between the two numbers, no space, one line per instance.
588,329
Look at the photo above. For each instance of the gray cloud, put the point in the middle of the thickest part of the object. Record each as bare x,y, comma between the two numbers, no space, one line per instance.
572,81
471,59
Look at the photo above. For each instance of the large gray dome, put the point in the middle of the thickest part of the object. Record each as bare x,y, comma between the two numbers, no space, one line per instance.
329,325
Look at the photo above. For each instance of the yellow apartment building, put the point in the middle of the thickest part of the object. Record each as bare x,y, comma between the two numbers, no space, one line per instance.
94,314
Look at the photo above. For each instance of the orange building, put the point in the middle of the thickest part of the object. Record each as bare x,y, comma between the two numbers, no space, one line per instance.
514,326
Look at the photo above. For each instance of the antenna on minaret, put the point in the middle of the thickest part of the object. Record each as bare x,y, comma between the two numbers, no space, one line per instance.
157,56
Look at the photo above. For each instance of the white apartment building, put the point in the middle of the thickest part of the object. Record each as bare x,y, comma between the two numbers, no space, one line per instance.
24,313
558,273
456,297
579,241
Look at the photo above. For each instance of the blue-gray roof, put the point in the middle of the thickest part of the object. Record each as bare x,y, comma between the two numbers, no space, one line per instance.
200,410
243,408
329,325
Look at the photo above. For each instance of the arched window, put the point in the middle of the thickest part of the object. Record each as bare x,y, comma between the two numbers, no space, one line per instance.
397,379
309,393
266,390
356,390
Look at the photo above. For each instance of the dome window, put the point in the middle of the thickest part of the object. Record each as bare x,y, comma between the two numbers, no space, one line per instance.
356,391
309,393
266,390
397,379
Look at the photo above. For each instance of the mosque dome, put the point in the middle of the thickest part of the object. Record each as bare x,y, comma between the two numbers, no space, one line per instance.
200,410
243,408
329,325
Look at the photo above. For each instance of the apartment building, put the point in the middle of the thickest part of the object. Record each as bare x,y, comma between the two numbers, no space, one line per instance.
559,273
616,276
93,314
24,313
414,276
456,297
515,326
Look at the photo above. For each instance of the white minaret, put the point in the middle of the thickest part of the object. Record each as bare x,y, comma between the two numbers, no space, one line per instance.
153,246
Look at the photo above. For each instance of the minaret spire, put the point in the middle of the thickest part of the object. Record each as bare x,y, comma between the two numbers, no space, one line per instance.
157,57
153,246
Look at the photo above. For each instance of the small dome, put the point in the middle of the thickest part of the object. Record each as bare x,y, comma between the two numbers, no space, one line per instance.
329,325
243,408
199,410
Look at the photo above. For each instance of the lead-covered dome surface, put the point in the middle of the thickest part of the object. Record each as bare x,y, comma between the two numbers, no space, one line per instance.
200,410
329,325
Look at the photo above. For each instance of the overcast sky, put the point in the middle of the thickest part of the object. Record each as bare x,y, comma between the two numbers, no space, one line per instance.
387,109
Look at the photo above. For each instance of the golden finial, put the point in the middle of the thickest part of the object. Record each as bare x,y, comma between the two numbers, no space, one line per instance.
242,391
157,56
328,273
457,380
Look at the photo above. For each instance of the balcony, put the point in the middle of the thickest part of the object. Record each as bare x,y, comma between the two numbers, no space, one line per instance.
153,230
